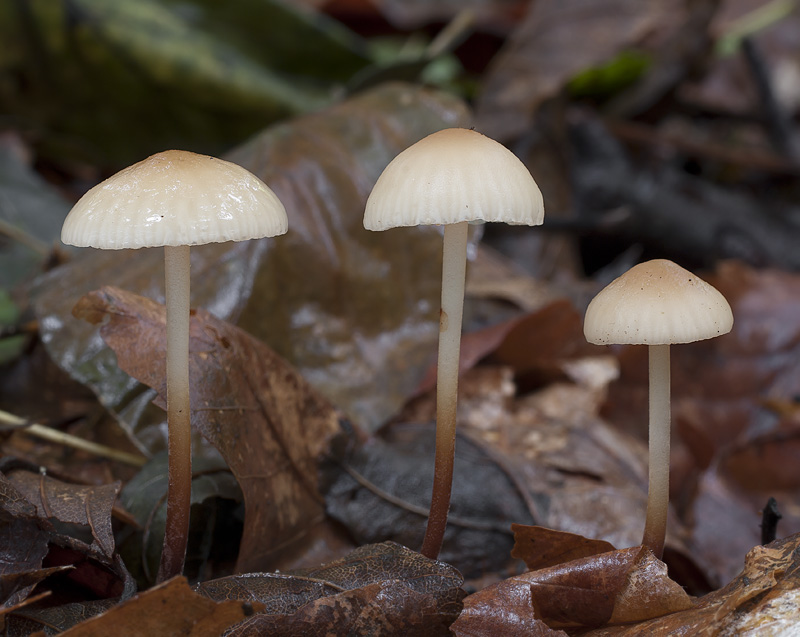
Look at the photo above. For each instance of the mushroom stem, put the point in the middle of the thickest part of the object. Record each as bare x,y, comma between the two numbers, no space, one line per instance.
176,533
655,528
454,268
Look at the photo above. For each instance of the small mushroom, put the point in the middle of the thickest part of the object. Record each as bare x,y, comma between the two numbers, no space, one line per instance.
657,303
176,199
452,177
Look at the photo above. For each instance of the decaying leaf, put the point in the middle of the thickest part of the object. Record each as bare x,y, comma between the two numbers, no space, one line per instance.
616,587
381,589
88,506
68,525
269,425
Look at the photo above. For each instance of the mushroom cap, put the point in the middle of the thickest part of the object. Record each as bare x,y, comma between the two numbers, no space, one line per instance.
175,198
454,175
657,303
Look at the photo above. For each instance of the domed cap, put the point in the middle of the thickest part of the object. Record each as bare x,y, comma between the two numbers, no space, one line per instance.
657,303
451,176
175,198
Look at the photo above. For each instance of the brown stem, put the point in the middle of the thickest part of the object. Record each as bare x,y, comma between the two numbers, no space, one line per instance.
176,532
454,265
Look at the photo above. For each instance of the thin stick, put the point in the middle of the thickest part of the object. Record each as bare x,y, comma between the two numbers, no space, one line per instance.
176,532
655,528
68,440
454,267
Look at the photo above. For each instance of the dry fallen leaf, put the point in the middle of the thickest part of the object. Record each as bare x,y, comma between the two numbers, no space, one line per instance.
266,421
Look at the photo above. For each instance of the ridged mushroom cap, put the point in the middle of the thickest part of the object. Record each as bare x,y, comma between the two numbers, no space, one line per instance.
454,175
657,303
175,198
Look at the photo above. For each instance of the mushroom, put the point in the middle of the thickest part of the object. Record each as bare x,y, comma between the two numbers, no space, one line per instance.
175,199
452,177
657,303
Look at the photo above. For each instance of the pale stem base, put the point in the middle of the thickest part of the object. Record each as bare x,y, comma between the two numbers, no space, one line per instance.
454,268
655,529
176,533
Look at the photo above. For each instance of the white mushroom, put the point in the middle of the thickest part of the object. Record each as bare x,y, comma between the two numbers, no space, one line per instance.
176,199
657,303
451,177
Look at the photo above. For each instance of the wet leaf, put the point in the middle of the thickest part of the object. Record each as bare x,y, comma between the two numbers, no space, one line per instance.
540,547
618,587
358,317
269,425
379,589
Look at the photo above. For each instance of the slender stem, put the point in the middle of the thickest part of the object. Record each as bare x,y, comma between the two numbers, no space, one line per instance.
454,267
176,533
655,528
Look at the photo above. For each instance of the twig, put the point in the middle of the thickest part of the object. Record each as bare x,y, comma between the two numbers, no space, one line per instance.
22,237
59,437
753,22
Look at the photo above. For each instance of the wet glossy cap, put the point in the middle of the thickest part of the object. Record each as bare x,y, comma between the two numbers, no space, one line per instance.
657,303
454,175
175,198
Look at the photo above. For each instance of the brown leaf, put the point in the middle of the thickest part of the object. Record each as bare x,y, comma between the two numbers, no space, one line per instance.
536,346
507,610
382,589
618,586
535,65
761,600
88,506
266,421
171,608
540,547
